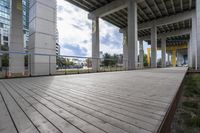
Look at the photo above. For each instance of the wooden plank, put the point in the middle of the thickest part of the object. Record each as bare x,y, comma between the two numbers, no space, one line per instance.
82,112
95,90
6,123
99,106
106,102
22,122
76,118
138,120
143,107
43,119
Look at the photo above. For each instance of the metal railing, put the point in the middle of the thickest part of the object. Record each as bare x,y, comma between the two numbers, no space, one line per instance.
24,64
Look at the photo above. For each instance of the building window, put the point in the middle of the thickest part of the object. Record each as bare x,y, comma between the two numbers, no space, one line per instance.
5,38
1,25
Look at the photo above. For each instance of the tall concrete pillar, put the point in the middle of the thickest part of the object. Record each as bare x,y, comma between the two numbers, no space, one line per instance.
16,61
179,58
154,46
194,42
174,58
125,50
42,40
198,33
163,47
141,56
168,58
190,52
0,58
95,44
132,35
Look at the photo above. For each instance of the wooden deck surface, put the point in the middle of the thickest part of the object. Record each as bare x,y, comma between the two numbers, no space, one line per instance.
117,102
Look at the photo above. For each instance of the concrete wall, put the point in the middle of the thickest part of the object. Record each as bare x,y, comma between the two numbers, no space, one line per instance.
42,23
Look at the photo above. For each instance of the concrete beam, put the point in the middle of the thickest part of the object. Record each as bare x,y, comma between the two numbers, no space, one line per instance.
168,34
167,20
110,8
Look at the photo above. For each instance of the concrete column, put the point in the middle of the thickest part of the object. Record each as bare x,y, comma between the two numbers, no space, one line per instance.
198,33
154,46
174,58
125,50
194,42
1,42
179,59
168,58
189,52
95,45
141,56
163,47
149,57
132,35
16,61
0,58
42,25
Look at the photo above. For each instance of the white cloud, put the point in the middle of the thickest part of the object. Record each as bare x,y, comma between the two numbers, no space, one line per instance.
75,29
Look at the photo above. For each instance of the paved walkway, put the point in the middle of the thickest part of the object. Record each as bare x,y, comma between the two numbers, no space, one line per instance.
116,102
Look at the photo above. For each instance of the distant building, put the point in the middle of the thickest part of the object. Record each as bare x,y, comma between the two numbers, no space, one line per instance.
57,49
4,22
5,18
57,43
101,54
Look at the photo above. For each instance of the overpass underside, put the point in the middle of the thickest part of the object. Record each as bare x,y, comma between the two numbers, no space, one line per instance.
161,23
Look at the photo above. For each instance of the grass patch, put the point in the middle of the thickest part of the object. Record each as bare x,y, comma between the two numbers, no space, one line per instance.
187,117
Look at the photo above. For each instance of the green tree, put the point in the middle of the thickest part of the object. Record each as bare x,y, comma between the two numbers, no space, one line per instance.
5,57
145,60
109,60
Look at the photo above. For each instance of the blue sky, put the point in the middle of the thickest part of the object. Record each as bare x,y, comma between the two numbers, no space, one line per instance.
74,29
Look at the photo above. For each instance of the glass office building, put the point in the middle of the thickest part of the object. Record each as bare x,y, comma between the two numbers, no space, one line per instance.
4,21
5,17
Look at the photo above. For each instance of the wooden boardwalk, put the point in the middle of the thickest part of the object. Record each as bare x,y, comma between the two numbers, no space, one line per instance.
117,102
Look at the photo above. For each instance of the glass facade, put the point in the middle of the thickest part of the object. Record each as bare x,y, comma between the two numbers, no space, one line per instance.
4,21
5,15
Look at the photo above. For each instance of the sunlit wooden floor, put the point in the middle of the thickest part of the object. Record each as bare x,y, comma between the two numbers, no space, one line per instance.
116,102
